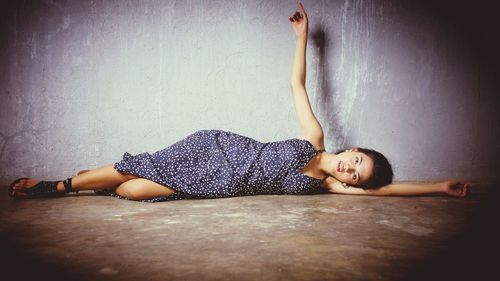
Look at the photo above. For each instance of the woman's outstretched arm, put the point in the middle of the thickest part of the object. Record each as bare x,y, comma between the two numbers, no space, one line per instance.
454,188
309,125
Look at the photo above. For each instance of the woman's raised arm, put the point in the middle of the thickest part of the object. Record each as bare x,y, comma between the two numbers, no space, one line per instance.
310,127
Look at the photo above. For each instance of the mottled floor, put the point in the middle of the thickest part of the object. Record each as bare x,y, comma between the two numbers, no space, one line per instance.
320,237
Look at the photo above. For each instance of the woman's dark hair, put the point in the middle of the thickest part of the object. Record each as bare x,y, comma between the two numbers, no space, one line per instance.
382,169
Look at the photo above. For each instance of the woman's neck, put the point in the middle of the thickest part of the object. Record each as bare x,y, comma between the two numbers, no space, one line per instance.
325,163
319,165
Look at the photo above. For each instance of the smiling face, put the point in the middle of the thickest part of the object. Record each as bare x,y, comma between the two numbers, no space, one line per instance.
352,167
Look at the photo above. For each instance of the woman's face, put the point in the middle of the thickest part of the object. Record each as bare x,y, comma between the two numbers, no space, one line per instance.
352,167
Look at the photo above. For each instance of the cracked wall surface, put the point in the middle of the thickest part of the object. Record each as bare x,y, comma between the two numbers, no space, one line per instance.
84,81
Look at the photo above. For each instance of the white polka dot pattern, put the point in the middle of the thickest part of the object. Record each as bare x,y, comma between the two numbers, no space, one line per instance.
215,164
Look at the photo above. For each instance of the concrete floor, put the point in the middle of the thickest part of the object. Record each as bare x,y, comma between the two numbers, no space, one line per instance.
267,237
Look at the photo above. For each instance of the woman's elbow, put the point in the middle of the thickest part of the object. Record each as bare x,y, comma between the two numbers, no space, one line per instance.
380,191
295,84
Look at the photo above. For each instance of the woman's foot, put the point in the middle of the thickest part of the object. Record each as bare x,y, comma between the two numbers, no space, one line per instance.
23,188
29,183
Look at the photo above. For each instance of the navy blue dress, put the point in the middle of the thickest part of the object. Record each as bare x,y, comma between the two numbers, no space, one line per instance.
216,164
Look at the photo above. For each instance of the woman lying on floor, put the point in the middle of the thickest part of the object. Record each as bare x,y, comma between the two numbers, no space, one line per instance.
216,164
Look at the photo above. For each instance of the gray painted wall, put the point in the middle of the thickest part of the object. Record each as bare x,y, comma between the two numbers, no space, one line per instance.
84,81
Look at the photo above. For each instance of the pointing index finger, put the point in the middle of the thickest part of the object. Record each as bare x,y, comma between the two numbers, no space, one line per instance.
301,7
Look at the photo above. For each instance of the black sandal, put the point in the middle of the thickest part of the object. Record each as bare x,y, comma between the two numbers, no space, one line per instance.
41,189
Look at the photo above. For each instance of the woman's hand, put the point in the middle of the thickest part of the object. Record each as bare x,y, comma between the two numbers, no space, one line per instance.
299,21
456,188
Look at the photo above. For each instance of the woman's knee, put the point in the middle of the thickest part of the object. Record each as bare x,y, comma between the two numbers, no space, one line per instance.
131,189
140,189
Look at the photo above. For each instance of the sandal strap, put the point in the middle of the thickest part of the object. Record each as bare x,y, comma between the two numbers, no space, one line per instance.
67,185
45,188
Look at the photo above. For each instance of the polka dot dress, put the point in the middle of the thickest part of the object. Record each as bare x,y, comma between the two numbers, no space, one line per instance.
216,164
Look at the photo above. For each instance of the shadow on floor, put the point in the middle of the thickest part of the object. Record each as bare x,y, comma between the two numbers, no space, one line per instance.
471,254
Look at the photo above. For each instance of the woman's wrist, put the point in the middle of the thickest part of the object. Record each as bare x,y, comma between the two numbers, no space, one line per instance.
301,36
441,187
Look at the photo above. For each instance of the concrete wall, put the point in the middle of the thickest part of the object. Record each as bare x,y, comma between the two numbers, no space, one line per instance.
84,81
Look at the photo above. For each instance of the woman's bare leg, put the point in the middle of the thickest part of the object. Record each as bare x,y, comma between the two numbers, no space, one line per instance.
100,178
103,177
140,189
